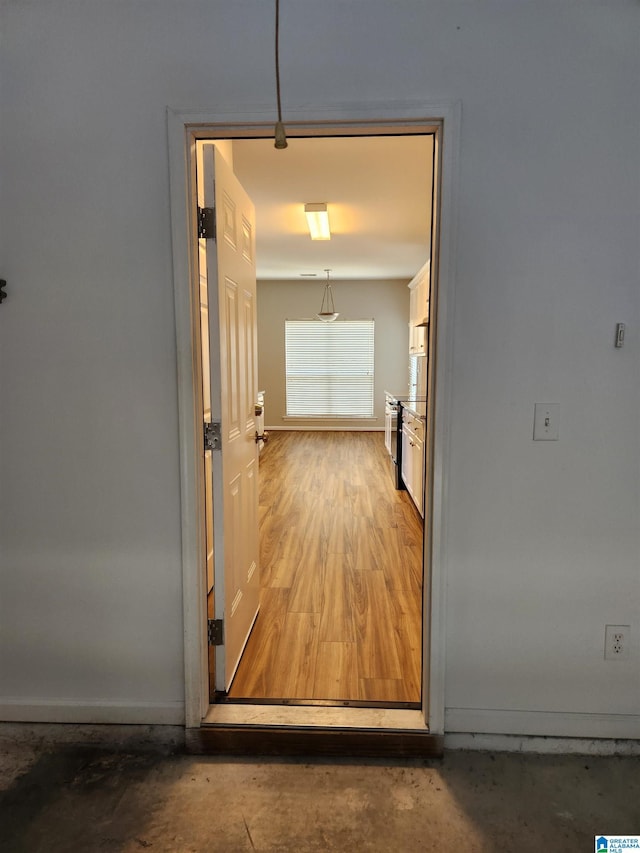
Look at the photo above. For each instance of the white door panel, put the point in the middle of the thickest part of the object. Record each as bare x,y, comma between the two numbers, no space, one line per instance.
232,369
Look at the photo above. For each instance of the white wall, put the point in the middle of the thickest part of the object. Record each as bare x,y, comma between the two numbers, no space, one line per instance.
386,302
543,540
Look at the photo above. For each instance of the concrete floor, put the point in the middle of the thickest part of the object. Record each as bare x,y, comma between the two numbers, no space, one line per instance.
138,794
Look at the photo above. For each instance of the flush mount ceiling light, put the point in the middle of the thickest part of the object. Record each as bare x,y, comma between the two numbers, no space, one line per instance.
318,220
327,311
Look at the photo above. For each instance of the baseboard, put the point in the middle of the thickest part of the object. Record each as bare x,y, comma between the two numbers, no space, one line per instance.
542,723
96,711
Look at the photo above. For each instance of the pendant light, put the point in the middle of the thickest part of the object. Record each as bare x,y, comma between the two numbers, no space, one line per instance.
327,311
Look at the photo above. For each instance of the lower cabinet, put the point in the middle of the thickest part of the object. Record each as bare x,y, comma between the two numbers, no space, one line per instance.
418,475
413,459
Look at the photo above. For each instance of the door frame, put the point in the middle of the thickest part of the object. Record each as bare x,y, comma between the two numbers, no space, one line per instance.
183,129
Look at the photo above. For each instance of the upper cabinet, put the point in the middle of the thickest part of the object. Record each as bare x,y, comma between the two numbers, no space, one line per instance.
419,310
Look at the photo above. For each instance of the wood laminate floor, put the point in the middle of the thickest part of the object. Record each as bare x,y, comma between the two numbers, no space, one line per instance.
341,575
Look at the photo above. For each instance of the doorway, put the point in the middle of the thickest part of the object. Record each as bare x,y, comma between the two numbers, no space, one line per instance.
184,130
341,579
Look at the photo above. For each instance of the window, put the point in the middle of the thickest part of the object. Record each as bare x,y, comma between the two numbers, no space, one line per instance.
329,368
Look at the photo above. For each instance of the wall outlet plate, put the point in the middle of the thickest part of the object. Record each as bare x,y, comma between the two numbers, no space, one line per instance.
616,642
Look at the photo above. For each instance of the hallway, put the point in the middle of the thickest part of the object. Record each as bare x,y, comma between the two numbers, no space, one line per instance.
341,575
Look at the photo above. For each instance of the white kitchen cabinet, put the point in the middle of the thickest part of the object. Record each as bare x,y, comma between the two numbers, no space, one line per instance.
413,458
406,468
417,461
419,311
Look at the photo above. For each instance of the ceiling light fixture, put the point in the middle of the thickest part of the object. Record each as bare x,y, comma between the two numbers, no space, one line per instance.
280,135
318,221
327,311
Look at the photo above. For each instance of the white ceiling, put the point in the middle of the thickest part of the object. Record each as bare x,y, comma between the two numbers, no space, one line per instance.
378,193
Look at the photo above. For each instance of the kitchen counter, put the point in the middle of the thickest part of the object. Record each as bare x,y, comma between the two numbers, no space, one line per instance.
416,407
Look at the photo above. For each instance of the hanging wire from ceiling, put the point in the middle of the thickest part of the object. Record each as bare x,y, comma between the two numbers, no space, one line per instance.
280,135
327,312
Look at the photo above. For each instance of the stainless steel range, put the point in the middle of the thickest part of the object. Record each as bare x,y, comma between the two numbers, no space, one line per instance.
392,425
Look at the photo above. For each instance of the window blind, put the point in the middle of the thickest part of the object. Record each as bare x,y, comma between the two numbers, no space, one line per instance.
329,368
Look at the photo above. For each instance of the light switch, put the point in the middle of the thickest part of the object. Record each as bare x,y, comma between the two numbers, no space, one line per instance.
546,422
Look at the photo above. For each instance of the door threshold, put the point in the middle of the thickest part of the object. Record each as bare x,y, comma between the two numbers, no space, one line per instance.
314,730
328,716
225,699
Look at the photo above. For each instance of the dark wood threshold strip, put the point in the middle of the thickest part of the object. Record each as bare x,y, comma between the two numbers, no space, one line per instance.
219,739
223,698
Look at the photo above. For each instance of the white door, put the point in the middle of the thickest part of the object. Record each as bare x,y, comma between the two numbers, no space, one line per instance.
228,275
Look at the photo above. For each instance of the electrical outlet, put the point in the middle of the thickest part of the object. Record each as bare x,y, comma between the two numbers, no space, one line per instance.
616,642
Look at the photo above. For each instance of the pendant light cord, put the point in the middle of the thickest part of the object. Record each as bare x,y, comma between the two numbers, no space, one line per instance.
280,135
278,59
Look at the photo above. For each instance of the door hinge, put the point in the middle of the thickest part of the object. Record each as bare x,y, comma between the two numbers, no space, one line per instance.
207,222
212,436
215,632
